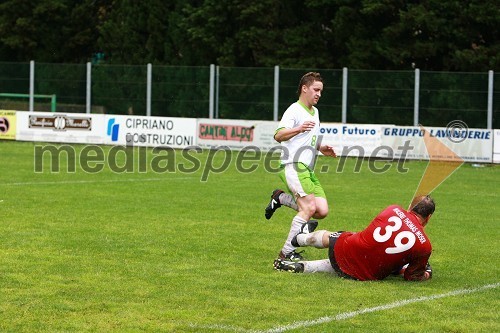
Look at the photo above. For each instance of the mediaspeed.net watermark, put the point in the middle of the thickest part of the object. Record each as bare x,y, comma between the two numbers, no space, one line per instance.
91,159
137,159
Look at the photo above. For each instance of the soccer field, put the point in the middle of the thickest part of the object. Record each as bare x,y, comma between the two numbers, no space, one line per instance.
155,249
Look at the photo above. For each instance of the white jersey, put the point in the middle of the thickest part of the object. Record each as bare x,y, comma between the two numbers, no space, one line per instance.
302,147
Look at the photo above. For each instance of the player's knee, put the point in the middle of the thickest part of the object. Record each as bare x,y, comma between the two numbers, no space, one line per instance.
321,210
321,213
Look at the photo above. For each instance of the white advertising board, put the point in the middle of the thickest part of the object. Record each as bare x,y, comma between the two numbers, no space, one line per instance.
496,146
472,145
150,131
236,134
60,127
352,139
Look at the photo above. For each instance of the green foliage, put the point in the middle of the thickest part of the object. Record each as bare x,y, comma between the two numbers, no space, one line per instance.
379,97
359,34
49,77
246,93
136,32
447,35
48,30
120,89
180,91
449,96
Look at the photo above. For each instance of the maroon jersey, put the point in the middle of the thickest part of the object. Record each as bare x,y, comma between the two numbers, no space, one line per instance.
394,238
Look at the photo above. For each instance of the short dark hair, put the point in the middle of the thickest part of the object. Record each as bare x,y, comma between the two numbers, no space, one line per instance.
423,205
308,79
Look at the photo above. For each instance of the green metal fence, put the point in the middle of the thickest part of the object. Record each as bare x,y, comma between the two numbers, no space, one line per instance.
352,96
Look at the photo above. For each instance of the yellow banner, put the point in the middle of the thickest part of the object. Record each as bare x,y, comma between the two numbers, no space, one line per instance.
7,124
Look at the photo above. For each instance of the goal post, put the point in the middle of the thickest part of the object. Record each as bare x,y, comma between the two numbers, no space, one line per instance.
53,98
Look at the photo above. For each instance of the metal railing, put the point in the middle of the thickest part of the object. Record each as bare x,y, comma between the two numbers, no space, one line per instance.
31,97
349,96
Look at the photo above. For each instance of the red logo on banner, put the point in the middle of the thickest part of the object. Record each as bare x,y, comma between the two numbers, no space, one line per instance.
226,132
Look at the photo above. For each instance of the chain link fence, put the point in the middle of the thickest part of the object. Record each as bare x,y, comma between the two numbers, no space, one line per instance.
361,96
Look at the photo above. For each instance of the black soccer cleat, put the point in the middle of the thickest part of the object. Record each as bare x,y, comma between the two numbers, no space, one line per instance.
306,228
273,204
309,227
288,266
292,256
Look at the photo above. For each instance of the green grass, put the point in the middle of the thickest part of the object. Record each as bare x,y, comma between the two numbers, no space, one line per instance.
166,252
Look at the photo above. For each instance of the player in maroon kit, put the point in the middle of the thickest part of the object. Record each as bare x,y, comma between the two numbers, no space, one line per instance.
394,242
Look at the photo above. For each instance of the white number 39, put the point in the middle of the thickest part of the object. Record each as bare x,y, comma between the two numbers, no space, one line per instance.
398,240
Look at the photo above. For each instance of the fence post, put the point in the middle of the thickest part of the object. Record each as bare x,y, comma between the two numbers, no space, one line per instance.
148,90
416,98
32,86
89,88
276,92
344,94
490,100
212,88
217,89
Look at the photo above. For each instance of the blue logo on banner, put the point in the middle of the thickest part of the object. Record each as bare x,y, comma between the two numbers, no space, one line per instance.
113,129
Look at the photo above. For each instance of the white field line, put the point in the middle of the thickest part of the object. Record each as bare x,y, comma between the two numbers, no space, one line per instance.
352,314
63,182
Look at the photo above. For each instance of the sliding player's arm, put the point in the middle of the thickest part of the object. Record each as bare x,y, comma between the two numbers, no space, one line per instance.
418,270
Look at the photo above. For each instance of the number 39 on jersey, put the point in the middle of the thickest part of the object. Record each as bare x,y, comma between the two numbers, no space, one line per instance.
403,240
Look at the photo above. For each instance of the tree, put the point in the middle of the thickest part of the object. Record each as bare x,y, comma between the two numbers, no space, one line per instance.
263,33
438,35
137,32
431,35
48,30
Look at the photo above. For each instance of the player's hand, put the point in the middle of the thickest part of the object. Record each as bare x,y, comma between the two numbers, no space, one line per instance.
428,270
307,126
327,150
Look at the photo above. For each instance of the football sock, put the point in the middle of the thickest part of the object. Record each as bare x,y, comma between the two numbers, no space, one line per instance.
313,239
318,266
297,223
286,199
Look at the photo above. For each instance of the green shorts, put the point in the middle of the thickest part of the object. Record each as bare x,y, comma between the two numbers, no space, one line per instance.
301,180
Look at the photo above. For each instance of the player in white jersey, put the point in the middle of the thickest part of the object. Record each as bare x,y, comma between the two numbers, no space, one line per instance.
298,133
302,147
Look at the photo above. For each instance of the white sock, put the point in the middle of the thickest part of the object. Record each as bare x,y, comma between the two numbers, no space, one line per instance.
318,266
313,239
297,223
286,199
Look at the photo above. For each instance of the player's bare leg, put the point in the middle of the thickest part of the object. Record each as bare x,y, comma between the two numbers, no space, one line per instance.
321,210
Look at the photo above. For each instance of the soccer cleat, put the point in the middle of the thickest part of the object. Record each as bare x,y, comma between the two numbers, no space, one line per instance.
273,204
292,256
309,227
288,266
306,228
